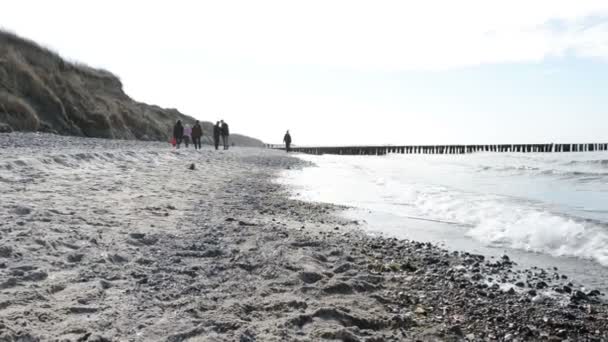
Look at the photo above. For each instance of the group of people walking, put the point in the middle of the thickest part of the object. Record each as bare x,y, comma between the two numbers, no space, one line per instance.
184,134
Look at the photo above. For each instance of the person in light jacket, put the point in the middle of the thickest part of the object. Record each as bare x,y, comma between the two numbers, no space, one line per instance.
187,135
217,132
225,134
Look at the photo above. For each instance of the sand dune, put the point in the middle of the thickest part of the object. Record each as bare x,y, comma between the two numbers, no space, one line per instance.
41,91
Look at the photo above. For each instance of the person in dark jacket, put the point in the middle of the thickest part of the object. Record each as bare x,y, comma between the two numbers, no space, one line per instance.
178,133
287,141
225,134
197,133
217,132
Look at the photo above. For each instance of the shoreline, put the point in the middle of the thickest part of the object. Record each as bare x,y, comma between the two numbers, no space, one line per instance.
123,242
588,273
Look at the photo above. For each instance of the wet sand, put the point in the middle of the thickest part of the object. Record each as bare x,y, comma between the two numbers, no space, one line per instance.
105,240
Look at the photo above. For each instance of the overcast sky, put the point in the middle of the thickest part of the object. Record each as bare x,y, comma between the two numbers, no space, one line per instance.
349,72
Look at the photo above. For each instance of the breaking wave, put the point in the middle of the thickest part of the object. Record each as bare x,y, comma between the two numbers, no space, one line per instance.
554,204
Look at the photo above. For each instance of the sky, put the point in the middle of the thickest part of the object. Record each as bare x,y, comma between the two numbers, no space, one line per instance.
349,72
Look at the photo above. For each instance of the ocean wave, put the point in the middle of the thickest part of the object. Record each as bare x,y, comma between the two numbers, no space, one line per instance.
545,233
533,203
575,174
593,162
508,168
535,170
501,222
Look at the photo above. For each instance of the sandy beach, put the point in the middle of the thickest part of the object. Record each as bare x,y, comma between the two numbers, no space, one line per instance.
108,240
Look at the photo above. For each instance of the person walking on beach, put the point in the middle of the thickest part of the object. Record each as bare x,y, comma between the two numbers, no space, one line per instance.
197,133
225,134
178,133
187,135
217,131
287,141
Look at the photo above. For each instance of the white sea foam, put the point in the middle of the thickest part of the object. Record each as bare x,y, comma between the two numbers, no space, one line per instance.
503,200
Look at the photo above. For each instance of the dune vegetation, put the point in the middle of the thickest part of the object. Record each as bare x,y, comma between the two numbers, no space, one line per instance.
41,91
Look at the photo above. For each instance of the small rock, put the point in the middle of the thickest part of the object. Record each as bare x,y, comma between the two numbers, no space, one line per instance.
456,330
10,282
75,257
137,236
98,338
56,288
338,288
310,277
5,251
84,337
343,268
117,259
403,322
578,295
36,276
248,224
408,267
105,284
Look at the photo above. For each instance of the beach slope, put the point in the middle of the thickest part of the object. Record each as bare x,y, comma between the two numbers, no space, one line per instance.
105,240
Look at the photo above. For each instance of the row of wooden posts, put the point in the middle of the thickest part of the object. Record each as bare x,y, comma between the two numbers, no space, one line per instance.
446,149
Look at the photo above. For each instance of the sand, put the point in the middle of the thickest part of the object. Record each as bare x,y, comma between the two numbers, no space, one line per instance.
106,240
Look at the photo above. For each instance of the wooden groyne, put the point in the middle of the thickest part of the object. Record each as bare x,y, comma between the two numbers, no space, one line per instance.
446,149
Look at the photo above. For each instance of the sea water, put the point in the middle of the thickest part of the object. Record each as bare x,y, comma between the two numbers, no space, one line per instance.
546,209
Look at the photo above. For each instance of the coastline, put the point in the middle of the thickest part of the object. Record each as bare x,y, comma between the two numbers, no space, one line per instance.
121,241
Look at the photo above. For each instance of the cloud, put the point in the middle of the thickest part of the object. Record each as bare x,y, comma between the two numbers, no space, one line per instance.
385,35
396,35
